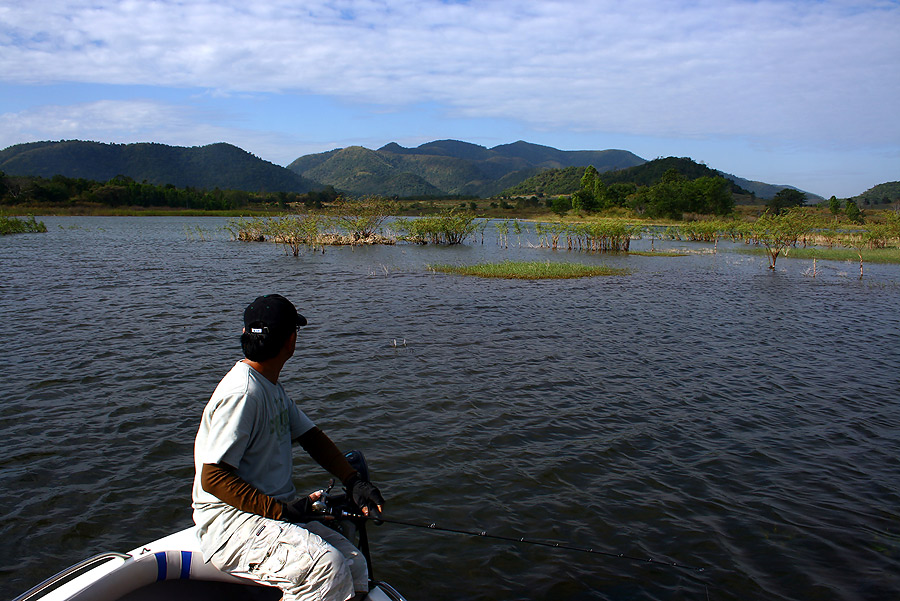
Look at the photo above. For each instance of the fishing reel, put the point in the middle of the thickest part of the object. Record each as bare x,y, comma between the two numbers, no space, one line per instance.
334,505
337,510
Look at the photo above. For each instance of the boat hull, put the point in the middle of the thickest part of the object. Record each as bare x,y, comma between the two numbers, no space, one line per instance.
171,569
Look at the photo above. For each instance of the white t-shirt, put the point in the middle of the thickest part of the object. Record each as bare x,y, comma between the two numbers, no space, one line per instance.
249,424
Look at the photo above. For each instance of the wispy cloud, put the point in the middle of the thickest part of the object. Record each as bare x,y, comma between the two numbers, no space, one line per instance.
822,72
107,117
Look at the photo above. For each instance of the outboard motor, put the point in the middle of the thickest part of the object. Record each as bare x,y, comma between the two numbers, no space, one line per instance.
358,461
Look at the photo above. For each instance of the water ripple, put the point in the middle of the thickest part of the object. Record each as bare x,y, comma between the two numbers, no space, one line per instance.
702,410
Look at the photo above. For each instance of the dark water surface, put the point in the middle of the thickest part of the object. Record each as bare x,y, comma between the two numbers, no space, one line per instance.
701,410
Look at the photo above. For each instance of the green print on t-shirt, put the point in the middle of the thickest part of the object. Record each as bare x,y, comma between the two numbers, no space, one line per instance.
280,424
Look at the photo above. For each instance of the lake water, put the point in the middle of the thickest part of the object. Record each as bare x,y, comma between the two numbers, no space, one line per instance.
702,410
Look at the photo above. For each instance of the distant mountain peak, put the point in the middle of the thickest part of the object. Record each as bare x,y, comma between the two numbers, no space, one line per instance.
448,167
524,144
393,147
448,148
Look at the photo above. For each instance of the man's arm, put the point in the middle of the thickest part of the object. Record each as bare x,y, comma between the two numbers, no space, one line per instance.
325,453
220,479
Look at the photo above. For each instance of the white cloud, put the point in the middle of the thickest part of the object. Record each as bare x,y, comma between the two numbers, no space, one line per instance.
823,72
112,119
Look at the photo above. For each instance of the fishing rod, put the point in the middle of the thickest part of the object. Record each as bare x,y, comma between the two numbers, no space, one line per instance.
523,540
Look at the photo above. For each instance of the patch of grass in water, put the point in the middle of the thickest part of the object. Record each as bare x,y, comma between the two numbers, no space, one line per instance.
530,270
657,253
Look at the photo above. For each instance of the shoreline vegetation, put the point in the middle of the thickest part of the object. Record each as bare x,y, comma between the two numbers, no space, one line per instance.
798,232
361,225
587,221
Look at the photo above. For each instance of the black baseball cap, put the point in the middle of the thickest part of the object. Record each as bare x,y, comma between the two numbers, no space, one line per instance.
270,314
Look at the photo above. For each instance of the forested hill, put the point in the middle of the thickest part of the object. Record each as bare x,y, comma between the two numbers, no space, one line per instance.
885,193
445,167
651,173
220,165
567,181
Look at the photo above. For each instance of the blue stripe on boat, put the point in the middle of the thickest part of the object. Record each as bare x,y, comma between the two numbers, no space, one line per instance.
161,566
185,565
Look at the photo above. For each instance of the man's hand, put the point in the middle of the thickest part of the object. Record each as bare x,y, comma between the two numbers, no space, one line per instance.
300,511
365,495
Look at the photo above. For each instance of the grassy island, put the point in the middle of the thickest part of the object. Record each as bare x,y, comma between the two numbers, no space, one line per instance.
530,270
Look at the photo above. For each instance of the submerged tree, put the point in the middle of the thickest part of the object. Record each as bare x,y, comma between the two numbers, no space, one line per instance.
874,236
780,232
449,227
362,219
13,225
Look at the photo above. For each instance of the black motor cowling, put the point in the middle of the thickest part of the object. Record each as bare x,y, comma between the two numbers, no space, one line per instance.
358,461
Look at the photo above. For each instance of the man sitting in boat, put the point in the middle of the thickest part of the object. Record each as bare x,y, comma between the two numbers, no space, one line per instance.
250,521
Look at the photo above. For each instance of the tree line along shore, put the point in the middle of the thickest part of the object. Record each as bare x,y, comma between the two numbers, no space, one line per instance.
670,195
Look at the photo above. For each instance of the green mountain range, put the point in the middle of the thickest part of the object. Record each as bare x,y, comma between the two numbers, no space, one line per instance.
439,168
447,167
214,166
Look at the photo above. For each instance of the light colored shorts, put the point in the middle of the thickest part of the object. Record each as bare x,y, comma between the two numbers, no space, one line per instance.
308,562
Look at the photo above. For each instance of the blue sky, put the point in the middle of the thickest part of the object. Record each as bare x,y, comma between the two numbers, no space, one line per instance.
787,92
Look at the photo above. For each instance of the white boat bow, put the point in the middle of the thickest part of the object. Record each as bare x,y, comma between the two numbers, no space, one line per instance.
170,569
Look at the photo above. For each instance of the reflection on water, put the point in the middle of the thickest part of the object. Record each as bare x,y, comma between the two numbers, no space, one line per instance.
701,410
